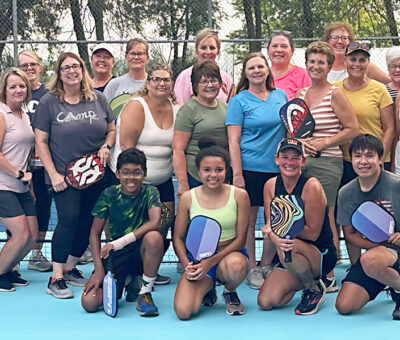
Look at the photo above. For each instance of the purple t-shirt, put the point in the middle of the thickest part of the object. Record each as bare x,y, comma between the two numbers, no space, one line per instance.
74,129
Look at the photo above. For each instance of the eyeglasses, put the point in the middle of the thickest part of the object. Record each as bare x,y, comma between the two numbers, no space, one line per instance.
281,32
158,80
343,38
135,173
67,68
26,66
205,82
394,67
139,55
359,45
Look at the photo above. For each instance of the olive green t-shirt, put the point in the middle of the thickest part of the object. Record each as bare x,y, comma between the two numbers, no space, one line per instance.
201,120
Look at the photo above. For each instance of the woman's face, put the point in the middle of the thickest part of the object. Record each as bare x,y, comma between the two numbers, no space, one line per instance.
256,71
208,88
31,67
137,57
207,50
317,66
394,71
16,91
71,72
160,84
356,64
212,171
279,50
339,39
290,162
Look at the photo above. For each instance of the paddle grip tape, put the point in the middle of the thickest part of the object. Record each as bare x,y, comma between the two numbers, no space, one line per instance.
124,241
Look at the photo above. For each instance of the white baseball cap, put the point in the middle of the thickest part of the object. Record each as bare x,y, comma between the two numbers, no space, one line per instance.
103,46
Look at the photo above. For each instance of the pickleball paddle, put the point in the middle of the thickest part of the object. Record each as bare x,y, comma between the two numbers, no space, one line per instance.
287,218
202,237
373,221
110,301
118,103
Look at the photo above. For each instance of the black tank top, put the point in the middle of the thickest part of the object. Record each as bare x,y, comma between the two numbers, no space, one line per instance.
325,238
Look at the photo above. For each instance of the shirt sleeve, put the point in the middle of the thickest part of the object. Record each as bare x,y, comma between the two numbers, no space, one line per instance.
106,107
386,99
42,119
153,198
102,206
343,213
234,112
183,87
109,91
184,120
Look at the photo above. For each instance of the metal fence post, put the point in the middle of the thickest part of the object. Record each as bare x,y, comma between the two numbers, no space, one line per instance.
210,25
15,30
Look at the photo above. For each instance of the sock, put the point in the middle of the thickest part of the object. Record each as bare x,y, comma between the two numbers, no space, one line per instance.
229,291
147,284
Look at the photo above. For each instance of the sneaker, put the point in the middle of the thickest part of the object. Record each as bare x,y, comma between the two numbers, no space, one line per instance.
146,306
255,278
59,289
330,284
211,298
86,257
179,268
233,304
162,280
5,284
74,277
266,270
15,278
16,268
132,289
39,262
396,298
310,300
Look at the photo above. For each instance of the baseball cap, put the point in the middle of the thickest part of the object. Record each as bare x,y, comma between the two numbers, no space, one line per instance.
103,46
290,143
358,46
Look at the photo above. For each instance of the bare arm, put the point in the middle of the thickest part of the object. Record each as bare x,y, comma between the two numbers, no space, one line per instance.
397,132
354,237
388,127
104,153
376,73
131,125
180,142
234,136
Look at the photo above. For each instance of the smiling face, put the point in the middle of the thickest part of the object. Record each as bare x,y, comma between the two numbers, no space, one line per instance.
208,88
131,177
102,62
290,162
394,71
212,171
317,66
256,71
356,64
16,91
137,57
71,72
279,50
31,67
366,163
160,84
339,40
207,50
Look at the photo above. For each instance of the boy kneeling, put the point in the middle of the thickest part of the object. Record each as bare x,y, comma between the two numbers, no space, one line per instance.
134,212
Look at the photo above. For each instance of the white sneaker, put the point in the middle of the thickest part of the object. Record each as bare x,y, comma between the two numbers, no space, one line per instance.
266,270
39,262
255,278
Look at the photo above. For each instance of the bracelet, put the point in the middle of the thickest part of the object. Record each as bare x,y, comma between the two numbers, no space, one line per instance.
123,241
106,146
21,174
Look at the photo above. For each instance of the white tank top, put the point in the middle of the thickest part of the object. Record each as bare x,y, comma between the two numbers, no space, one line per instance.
156,144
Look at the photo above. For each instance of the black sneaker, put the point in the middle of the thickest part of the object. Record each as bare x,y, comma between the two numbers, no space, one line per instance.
162,280
59,289
310,300
5,284
74,277
15,278
211,298
396,298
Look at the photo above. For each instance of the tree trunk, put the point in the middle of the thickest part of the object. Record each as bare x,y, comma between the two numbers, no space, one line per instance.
96,7
80,33
248,15
5,27
308,22
391,21
257,15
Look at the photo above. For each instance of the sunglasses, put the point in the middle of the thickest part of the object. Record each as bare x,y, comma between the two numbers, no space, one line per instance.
359,45
281,32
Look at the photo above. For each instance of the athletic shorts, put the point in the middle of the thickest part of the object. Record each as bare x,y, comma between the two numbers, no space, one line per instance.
166,191
127,261
212,273
373,287
14,204
254,183
328,171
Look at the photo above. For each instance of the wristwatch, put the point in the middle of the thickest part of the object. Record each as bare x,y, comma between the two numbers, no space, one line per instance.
106,146
21,174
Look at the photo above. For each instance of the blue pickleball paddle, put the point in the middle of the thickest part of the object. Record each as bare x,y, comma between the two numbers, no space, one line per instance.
110,301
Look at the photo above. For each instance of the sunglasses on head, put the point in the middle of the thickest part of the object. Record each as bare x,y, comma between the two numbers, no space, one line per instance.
281,32
363,45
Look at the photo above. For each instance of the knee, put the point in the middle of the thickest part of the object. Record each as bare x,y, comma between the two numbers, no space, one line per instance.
234,267
343,307
91,303
370,264
264,302
153,240
181,312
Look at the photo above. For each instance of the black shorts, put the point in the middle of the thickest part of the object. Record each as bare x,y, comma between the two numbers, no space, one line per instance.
127,261
166,191
14,204
373,287
254,182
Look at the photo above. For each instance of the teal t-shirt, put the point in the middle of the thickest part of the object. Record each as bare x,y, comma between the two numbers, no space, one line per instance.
126,213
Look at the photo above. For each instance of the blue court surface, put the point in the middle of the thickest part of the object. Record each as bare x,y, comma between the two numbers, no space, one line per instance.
29,313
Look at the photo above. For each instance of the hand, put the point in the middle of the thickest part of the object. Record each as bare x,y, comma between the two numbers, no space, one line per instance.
395,239
312,146
195,272
104,155
182,187
284,244
27,177
94,282
265,231
105,251
238,181
58,182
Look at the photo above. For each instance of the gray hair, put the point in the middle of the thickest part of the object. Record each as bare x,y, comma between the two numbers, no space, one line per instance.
392,54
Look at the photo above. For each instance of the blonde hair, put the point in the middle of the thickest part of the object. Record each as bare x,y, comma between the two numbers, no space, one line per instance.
55,84
206,33
3,84
144,91
32,54
338,25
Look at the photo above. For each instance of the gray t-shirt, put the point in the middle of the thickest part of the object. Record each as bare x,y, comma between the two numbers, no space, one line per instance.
74,129
385,192
121,85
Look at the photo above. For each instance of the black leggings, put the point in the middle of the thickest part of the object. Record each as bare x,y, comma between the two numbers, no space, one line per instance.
43,199
74,209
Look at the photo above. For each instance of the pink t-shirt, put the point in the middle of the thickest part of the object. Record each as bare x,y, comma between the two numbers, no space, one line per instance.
183,86
296,78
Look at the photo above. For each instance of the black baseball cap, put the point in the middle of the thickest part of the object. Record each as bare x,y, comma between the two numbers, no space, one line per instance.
291,143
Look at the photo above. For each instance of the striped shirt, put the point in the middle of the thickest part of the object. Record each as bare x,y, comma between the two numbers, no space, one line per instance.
393,93
327,123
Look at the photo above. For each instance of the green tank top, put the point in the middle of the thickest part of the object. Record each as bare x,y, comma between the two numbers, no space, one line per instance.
226,216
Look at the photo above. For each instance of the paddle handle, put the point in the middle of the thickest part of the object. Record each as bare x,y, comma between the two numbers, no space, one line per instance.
288,254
